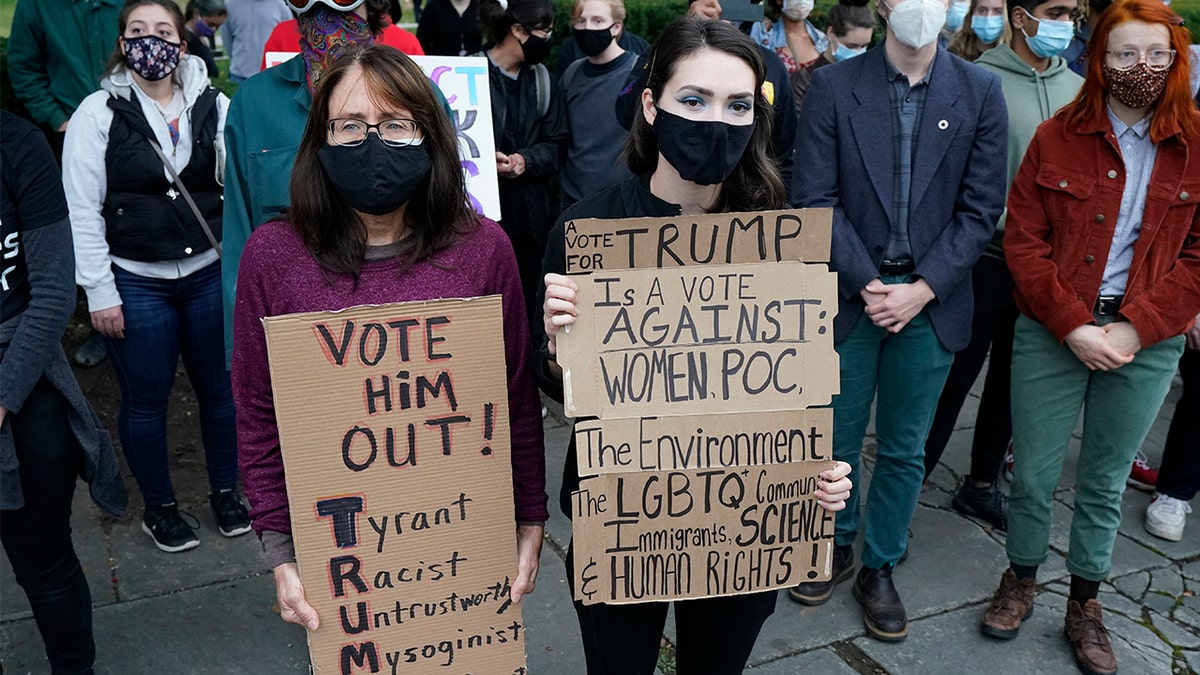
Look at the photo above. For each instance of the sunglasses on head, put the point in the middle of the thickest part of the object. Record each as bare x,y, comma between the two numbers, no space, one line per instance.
300,6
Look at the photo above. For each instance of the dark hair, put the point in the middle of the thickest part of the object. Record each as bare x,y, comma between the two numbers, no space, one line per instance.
847,15
755,183
436,215
205,8
1027,5
497,21
117,60
376,10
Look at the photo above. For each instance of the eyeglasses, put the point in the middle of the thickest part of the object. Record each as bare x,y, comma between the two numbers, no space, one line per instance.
397,132
543,33
301,6
1156,59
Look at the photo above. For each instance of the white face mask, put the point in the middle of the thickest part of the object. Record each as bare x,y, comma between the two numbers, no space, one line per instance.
917,23
797,10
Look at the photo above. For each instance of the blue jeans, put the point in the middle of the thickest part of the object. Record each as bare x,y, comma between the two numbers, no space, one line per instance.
165,318
906,370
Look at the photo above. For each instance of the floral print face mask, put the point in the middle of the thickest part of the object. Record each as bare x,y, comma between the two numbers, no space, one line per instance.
151,56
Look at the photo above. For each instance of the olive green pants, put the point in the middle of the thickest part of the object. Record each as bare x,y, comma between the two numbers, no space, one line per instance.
1049,388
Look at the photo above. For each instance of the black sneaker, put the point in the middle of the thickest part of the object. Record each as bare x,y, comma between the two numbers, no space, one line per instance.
814,593
167,528
988,504
232,519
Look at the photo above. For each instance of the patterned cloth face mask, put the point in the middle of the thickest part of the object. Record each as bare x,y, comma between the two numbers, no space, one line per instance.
325,35
151,56
1138,87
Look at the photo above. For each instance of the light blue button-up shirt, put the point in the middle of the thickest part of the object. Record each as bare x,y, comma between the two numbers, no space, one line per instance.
1138,153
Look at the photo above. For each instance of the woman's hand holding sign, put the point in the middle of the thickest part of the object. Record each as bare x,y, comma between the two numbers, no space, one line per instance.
834,487
289,592
529,553
559,307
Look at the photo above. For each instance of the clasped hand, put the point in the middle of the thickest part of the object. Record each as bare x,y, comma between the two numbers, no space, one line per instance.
892,306
1104,347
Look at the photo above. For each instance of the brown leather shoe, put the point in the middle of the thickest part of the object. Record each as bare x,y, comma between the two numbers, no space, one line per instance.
1012,604
1089,638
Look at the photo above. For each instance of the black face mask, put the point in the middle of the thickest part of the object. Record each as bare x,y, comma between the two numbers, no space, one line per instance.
373,177
593,42
704,153
535,49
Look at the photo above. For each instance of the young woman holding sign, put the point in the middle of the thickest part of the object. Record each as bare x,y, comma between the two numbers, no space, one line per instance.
705,81
379,214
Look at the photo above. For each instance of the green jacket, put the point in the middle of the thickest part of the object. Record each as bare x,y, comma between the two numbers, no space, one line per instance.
1032,98
262,132
57,51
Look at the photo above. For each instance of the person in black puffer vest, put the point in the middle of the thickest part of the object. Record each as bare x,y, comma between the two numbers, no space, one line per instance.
148,264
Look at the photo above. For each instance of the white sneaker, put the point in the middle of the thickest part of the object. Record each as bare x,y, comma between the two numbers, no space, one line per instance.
1165,517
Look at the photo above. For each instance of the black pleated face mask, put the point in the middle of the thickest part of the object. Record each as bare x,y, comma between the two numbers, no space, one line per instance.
704,153
373,177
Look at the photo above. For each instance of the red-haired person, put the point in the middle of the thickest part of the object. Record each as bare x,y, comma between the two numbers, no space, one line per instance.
1103,240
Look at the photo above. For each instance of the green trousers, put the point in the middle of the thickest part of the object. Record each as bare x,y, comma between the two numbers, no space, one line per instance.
1049,387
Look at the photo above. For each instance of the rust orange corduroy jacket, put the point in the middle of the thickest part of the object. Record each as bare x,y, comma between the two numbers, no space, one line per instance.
1062,212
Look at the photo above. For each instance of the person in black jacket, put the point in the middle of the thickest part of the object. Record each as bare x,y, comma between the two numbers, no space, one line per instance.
450,28
48,433
148,263
777,91
529,124
204,19
706,79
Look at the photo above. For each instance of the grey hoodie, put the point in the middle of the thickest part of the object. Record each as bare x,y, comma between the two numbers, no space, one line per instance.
1032,98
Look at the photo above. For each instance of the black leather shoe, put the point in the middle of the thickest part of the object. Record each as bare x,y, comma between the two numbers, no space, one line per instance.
814,593
883,611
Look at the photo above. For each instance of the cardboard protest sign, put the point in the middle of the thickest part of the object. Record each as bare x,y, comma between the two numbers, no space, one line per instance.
393,424
701,339
699,343
801,235
699,533
463,81
676,443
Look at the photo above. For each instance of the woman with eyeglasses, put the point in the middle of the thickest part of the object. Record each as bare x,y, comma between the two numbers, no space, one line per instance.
379,214
529,124
704,82
1103,240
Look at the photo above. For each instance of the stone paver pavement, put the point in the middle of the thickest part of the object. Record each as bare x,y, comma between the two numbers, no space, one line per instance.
212,610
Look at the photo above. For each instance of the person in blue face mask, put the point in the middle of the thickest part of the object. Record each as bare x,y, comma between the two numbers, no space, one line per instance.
987,27
1034,87
849,27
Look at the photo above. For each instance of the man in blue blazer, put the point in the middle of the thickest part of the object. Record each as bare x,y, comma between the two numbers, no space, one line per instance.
907,144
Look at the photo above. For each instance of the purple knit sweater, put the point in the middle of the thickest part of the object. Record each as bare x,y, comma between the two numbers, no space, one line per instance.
279,276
